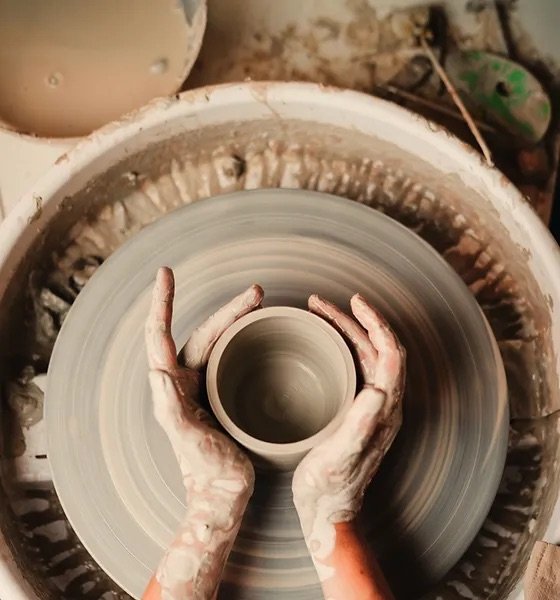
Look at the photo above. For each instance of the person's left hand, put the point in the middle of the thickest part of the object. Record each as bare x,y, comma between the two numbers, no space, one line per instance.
202,451
217,475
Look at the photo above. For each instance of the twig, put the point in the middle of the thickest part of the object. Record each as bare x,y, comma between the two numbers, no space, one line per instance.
457,99
396,91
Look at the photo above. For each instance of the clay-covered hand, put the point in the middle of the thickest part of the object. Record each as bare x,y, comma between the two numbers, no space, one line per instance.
217,475
330,482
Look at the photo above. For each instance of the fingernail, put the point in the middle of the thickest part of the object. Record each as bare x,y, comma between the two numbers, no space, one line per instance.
358,298
313,300
258,293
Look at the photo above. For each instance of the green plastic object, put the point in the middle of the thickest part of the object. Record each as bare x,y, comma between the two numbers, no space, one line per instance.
502,91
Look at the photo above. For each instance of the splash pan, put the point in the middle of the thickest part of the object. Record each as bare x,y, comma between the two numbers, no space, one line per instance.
218,140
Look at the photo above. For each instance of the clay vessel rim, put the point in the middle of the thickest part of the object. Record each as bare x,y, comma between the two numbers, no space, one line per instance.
239,434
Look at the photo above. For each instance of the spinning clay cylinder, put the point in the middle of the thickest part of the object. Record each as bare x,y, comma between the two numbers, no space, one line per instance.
279,381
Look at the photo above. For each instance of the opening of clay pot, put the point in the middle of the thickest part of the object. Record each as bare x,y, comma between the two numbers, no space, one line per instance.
278,378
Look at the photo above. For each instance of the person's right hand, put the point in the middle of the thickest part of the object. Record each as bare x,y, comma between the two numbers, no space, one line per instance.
329,483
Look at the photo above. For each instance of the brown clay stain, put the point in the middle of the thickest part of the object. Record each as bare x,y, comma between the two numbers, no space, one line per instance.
38,210
61,159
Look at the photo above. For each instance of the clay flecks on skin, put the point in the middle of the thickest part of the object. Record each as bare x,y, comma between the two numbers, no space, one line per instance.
188,568
217,476
334,481
332,495
330,482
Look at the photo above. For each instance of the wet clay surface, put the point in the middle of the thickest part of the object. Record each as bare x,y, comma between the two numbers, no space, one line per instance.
139,190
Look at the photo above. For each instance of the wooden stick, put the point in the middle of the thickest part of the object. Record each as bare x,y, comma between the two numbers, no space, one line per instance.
457,99
395,91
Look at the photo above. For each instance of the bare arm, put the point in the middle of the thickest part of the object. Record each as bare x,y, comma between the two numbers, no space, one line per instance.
330,482
217,475
358,574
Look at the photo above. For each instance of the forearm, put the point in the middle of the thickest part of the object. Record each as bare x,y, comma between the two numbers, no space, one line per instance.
350,570
193,565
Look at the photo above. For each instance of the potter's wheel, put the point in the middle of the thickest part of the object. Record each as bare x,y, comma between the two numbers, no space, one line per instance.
114,470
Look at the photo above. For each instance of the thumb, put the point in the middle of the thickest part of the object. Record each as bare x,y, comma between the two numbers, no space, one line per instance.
167,402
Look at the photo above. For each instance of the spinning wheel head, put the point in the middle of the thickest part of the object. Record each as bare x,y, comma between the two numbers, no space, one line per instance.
113,467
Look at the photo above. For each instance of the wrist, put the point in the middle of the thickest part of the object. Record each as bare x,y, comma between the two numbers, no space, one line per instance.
351,570
319,518
320,538
326,535
194,562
